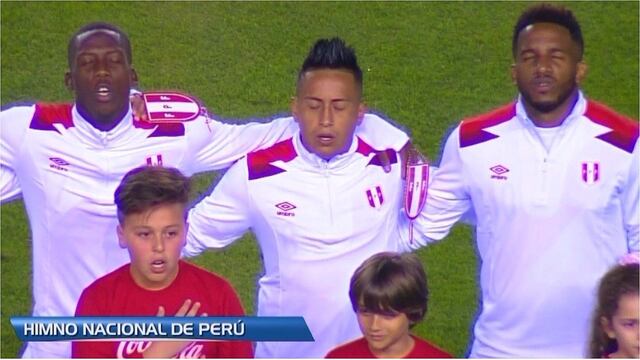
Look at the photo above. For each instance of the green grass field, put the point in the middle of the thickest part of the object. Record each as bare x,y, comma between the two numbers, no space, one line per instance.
427,65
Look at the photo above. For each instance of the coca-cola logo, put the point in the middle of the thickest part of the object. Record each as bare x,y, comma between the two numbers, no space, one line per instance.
127,349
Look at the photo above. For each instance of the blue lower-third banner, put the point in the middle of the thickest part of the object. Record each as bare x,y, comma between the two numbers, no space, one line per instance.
249,328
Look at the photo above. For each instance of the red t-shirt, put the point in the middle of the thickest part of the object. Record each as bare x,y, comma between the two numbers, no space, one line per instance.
360,349
116,294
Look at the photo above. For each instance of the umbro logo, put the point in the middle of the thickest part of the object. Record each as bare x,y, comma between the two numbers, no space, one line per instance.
58,164
498,172
285,209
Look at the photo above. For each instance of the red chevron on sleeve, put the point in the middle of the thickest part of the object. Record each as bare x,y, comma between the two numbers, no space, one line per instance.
47,114
472,130
259,162
624,131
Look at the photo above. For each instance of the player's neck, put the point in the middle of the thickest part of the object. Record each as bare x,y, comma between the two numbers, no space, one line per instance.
102,123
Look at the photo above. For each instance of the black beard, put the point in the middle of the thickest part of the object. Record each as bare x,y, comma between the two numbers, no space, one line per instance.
548,106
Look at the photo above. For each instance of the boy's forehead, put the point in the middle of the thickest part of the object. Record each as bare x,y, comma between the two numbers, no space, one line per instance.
158,215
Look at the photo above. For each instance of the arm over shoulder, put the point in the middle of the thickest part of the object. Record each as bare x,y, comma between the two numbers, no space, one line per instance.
216,145
14,122
223,216
447,199
380,133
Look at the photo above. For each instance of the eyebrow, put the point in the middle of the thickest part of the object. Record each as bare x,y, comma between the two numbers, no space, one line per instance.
147,227
318,99
531,50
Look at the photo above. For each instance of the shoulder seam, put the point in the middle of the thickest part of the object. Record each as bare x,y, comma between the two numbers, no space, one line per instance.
48,114
472,130
624,130
259,163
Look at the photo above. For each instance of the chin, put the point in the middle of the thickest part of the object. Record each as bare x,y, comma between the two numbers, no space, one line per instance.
545,106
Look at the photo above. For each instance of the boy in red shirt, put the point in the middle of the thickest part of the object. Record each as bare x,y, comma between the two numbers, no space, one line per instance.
389,295
151,204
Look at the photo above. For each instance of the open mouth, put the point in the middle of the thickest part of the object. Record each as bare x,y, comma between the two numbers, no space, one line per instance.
325,139
543,84
104,93
158,266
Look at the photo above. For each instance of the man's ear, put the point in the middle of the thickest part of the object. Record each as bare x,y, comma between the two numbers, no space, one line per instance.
134,78
362,109
68,80
121,239
514,79
581,72
294,107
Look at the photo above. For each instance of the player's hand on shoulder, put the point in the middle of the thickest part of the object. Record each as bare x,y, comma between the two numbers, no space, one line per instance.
138,107
410,156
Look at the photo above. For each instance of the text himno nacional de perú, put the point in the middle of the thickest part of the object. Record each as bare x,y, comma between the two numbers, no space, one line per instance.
134,329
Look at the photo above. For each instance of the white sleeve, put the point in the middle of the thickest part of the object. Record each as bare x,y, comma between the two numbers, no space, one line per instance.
13,125
216,145
223,216
9,185
447,199
630,203
380,133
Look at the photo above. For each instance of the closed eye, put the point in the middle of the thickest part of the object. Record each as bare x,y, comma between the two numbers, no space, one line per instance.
85,60
339,105
630,323
313,104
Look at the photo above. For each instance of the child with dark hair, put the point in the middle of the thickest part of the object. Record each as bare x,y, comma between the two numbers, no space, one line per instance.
615,330
389,295
151,203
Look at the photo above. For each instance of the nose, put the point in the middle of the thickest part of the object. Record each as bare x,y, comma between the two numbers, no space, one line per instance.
102,69
543,65
158,244
375,322
326,118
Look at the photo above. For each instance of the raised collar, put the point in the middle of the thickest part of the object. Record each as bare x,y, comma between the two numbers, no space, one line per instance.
121,132
337,162
576,111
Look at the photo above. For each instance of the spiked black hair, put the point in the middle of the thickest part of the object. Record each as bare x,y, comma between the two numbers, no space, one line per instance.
332,54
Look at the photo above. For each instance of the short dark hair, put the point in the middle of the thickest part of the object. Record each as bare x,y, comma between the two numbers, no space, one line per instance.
548,13
332,54
390,282
618,281
98,26
149,186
